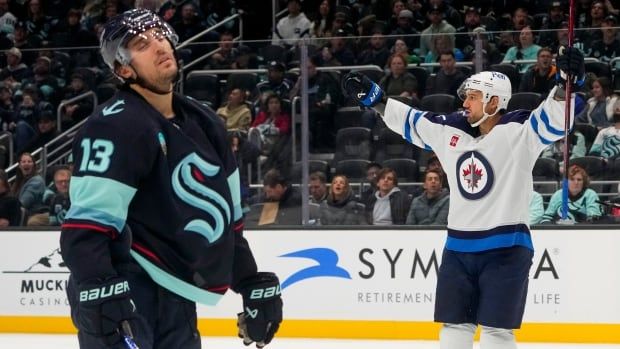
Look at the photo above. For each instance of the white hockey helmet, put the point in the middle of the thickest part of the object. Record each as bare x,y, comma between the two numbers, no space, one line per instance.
490,83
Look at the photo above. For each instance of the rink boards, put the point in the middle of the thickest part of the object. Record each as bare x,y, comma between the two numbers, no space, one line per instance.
373,284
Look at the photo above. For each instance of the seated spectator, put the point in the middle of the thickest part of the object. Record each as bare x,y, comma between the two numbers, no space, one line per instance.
336,52
28,186
551,23
7,19
583,202
577,148
430,208
7,106
189,23
607,141
401,47
438,25
376,53
540,77
323,98
466,35
323,21
442,43
227,55
448,78
44,80
537,208
340,207
10,207
405,29
59,202
46,131
282,202
399,82
272,125
15,69
317,186
389,205
39,24
608,47
293,27
22,125
236,113
275,83
77,111
526,49
372,169
600,107
25,43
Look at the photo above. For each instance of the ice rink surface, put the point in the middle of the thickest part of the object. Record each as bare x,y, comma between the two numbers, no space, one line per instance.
35,341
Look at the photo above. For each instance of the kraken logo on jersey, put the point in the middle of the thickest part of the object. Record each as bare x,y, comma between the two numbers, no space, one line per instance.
474,175
190,174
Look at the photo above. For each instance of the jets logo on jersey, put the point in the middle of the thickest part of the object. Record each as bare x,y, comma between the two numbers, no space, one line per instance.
474,175
188,180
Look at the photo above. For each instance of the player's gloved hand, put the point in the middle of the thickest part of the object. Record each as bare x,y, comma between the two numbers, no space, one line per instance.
362,89
106,310
570,61
262,309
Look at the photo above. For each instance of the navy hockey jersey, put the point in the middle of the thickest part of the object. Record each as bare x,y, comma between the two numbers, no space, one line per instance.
490,176
172,185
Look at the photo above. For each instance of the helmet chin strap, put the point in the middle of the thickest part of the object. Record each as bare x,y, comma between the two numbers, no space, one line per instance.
484,116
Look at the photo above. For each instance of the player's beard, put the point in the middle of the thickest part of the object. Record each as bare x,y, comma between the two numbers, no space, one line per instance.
161,84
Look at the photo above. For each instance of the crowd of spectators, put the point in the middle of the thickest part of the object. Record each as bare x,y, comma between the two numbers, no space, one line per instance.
50,56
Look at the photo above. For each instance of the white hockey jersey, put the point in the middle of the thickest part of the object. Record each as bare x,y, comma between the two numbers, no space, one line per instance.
490,176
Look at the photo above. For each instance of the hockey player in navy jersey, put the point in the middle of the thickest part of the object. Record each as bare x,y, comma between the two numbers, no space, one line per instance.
488,155
155,224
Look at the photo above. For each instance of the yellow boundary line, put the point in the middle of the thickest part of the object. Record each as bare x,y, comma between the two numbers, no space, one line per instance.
348,329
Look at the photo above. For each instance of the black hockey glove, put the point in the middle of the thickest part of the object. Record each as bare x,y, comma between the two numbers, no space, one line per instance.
106,310
262,309
362,89
570,61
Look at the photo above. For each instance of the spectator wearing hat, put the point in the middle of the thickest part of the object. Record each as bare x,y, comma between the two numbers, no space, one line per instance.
341,22
23,41
376,53
550,23
405,29
79,110
608,47
438,25
336,52
275,83
396,6
15,69
450,14
43,79
466,35
292,27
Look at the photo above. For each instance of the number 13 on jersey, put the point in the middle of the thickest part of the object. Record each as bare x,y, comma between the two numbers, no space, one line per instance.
96,155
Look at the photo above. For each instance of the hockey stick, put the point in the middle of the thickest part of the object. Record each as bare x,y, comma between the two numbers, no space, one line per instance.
567,110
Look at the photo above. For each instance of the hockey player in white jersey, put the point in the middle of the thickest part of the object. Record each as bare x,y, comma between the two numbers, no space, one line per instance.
483,276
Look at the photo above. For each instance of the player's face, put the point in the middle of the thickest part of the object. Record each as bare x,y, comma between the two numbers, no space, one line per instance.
152,58
473,106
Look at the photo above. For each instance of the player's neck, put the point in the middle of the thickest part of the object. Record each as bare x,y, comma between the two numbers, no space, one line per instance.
161,102
488,124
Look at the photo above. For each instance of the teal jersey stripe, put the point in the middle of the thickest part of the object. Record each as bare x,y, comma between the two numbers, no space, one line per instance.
176,285
234,183
100,200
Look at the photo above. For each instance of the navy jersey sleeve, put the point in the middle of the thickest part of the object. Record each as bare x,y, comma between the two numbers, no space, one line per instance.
110,159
